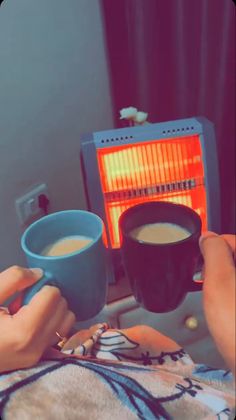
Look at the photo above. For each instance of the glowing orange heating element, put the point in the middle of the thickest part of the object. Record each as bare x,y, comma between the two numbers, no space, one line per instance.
168,170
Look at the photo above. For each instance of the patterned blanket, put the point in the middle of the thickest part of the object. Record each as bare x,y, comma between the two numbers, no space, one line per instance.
136,373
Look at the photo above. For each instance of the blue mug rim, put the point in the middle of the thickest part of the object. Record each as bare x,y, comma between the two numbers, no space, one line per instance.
50,216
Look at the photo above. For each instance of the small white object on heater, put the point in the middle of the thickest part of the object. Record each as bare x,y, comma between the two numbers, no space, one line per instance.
132,114
128,113
141,117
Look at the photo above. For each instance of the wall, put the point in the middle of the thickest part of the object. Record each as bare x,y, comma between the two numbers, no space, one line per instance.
53,87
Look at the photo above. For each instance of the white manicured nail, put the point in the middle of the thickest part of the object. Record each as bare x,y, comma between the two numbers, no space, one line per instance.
37,271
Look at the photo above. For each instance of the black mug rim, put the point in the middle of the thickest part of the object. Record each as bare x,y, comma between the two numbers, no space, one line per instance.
187,209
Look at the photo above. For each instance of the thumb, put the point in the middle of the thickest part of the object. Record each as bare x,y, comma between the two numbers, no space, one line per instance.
16,279
218,260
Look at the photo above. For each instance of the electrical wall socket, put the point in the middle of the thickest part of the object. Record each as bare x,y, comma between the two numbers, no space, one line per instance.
27,205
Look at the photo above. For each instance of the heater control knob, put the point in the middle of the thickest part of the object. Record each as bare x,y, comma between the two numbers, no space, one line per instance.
191,323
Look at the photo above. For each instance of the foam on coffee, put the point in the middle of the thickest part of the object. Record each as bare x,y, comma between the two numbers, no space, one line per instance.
66,245
160,233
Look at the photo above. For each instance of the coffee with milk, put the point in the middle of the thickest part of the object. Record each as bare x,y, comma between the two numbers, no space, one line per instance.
160,233
66,245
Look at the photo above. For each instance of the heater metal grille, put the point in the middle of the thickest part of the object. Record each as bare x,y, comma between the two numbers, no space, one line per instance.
169,170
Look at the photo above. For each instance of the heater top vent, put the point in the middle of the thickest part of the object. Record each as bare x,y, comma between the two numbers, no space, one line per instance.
130,137
114,139
178,130
147,132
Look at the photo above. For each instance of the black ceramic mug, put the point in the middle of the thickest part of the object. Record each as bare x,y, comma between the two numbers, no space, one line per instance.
160,274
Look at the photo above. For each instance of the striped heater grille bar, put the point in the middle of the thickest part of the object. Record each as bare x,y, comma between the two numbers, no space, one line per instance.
169,170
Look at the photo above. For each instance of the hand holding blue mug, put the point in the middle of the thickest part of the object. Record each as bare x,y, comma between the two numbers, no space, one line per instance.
79,273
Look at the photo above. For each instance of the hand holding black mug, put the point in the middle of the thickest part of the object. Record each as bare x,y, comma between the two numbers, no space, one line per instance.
161,266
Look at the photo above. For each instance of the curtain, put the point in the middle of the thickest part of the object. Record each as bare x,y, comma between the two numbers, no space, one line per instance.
176,59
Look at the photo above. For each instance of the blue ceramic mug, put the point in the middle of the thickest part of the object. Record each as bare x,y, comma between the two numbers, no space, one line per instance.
81,275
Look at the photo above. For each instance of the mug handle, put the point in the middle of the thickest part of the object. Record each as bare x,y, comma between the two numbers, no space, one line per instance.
30,291
196,286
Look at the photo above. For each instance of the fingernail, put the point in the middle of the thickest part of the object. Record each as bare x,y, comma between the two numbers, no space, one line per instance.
37,272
